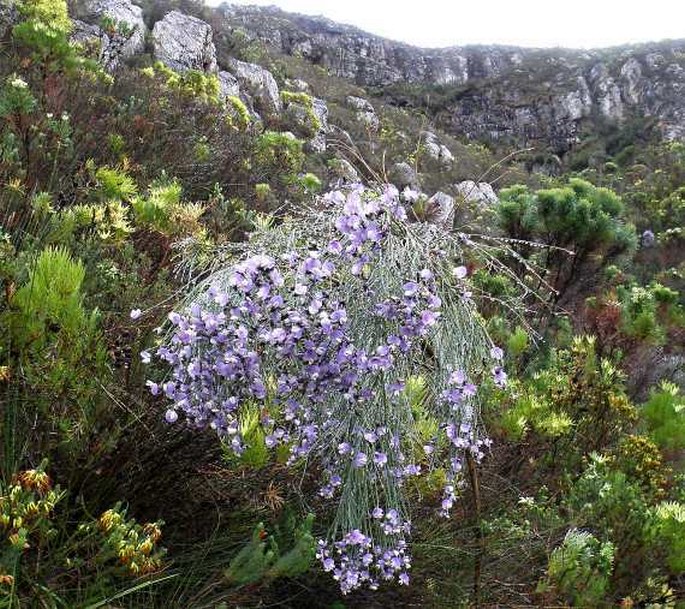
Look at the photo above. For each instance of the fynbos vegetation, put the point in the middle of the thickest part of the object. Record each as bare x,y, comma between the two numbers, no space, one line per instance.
272,338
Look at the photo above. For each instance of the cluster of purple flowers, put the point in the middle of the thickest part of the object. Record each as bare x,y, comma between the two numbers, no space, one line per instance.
460,430
358,560
273,336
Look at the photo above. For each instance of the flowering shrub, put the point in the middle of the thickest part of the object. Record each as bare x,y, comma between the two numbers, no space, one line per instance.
133,546
26,507
320,335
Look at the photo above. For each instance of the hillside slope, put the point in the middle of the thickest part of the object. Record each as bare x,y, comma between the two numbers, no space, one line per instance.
492,93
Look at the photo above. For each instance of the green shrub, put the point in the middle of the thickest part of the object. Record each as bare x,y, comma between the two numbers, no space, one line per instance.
578,395
52,12
579,570
262,559
238,114
580,218
278,156
55,351
193,83
670,526
664,416
94,557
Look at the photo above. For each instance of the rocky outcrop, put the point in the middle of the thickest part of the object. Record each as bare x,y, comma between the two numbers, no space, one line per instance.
115,26
480,193
403,175
260,84
228,85
435,149
524,97
351,53
91,37
309,117
320,110
366,114
440,209
184,43
342,172
530,98
9,16
298,85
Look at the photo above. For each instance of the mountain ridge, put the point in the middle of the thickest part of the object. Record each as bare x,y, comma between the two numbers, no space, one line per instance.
521,92
321,18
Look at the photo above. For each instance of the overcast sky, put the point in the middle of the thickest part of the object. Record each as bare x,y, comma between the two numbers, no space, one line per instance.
544,23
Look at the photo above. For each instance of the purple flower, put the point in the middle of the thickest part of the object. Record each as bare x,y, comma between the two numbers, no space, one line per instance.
360,459
410,195
135,313
469,390
457,378
412,470
277,330
171,416
428,318
410,288
460,272
499,376
496,353
392,515
374,234
380,459
356,537
370,436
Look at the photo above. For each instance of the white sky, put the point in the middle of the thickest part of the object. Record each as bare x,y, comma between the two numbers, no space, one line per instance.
543,23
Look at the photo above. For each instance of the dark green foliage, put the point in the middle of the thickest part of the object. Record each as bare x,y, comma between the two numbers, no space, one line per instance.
54,347
579,569
583,227
262,559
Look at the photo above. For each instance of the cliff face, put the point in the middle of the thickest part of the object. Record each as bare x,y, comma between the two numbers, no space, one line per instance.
517,95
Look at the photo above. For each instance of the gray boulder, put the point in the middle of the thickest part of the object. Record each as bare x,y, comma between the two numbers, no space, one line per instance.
298,85
320,109
481,193
228,85
440,209
9,16
311,121
403,175
92,38
366,114
342,172
184,43
261,86
125,31
607,92
435,149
